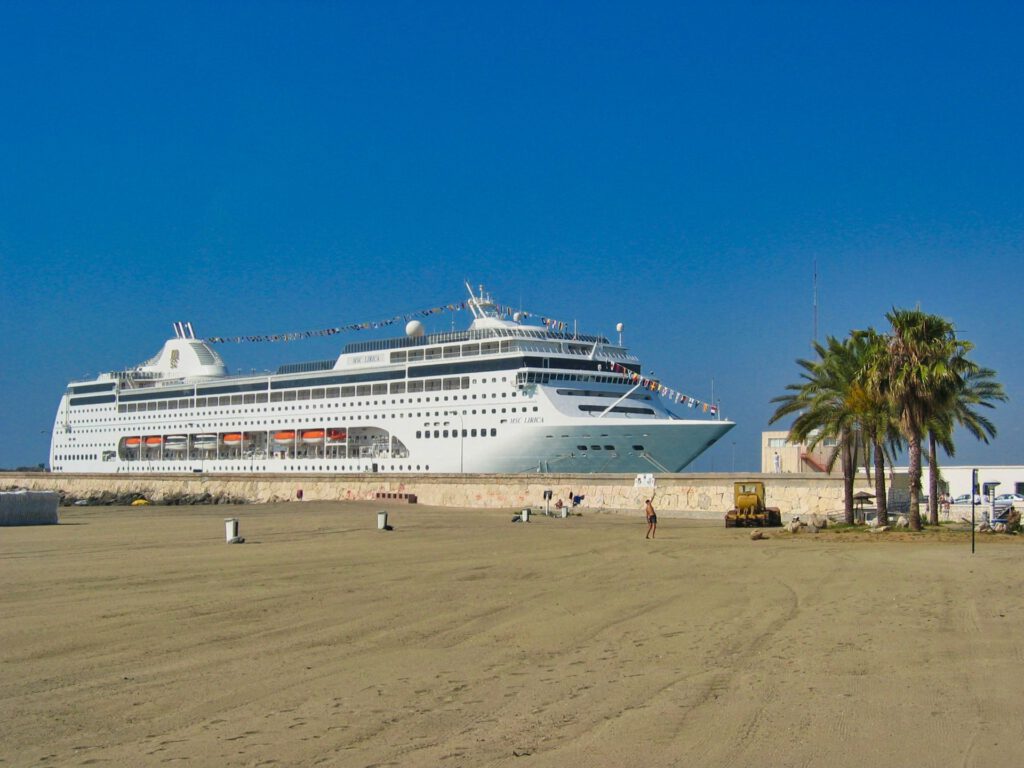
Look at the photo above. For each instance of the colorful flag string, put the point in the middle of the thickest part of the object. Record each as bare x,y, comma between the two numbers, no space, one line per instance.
501,309
661,389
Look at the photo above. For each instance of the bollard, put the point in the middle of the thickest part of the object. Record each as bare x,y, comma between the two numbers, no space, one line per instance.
525,515
230,528
565,512
382,520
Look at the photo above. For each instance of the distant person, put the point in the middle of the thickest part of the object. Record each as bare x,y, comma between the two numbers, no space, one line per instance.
652,518
559,504
777,461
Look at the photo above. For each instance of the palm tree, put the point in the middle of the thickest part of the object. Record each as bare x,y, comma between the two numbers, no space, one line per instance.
877,417
924,365
974,386
825,402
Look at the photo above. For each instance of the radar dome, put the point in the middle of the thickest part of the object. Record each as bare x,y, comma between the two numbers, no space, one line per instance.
518,317
619,327
414,329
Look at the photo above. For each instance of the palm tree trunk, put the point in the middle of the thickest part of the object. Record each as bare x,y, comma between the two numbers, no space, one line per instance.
914,478
933,482
881,508
849,471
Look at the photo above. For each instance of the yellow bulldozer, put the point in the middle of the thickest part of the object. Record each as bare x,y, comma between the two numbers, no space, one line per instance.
749,510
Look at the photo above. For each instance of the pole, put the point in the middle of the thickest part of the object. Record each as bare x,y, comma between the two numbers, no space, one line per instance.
974,484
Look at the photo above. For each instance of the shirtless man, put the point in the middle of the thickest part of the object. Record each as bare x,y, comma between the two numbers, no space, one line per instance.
652,518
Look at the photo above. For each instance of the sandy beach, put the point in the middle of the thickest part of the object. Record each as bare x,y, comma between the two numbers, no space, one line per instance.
136,636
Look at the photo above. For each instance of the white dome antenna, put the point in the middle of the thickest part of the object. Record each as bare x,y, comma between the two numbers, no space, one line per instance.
414,329
619,327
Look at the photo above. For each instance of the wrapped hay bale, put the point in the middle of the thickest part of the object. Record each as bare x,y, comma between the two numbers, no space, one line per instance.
29,508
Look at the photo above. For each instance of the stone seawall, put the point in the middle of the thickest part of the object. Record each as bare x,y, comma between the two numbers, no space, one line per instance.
682,495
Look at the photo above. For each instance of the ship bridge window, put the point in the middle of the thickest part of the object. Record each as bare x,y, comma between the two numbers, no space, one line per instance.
616,409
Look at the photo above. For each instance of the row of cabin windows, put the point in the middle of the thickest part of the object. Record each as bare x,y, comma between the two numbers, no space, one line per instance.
425,434
474,349
607,448
291,395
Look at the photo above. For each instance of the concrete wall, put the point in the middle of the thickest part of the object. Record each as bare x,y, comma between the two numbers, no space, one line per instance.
682,495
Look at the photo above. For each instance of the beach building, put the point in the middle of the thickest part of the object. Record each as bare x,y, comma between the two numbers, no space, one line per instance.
779,455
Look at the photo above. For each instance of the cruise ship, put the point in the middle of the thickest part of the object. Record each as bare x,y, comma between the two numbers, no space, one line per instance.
503,396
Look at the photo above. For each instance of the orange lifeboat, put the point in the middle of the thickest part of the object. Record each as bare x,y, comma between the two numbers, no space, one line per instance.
336,435
285,437
234,438
133,442
313,436
155,441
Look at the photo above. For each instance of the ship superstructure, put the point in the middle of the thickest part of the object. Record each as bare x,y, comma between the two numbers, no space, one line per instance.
502,397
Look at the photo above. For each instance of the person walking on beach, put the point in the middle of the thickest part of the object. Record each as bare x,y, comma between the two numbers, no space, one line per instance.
652,518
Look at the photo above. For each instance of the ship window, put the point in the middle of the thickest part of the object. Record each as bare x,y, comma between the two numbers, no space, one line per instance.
416,386
433,353
436,433
415,354
453,383
348,391
398,357
488,348
162,405
494,432
276,397
638,447
469,350
432,385
595,447
302,394
316,394
362,390
472,433
581,447
332,392
289,396
609,447
444,433
451,351
398,388
380,389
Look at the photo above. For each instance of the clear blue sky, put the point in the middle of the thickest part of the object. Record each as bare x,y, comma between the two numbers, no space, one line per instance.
265,167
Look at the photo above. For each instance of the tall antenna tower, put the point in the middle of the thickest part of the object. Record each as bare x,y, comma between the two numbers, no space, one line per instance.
815,299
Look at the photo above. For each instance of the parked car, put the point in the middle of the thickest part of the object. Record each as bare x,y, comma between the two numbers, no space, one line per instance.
965,498
1012,498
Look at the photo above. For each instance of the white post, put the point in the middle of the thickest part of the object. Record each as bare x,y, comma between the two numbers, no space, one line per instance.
382,520
230,528
525,515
